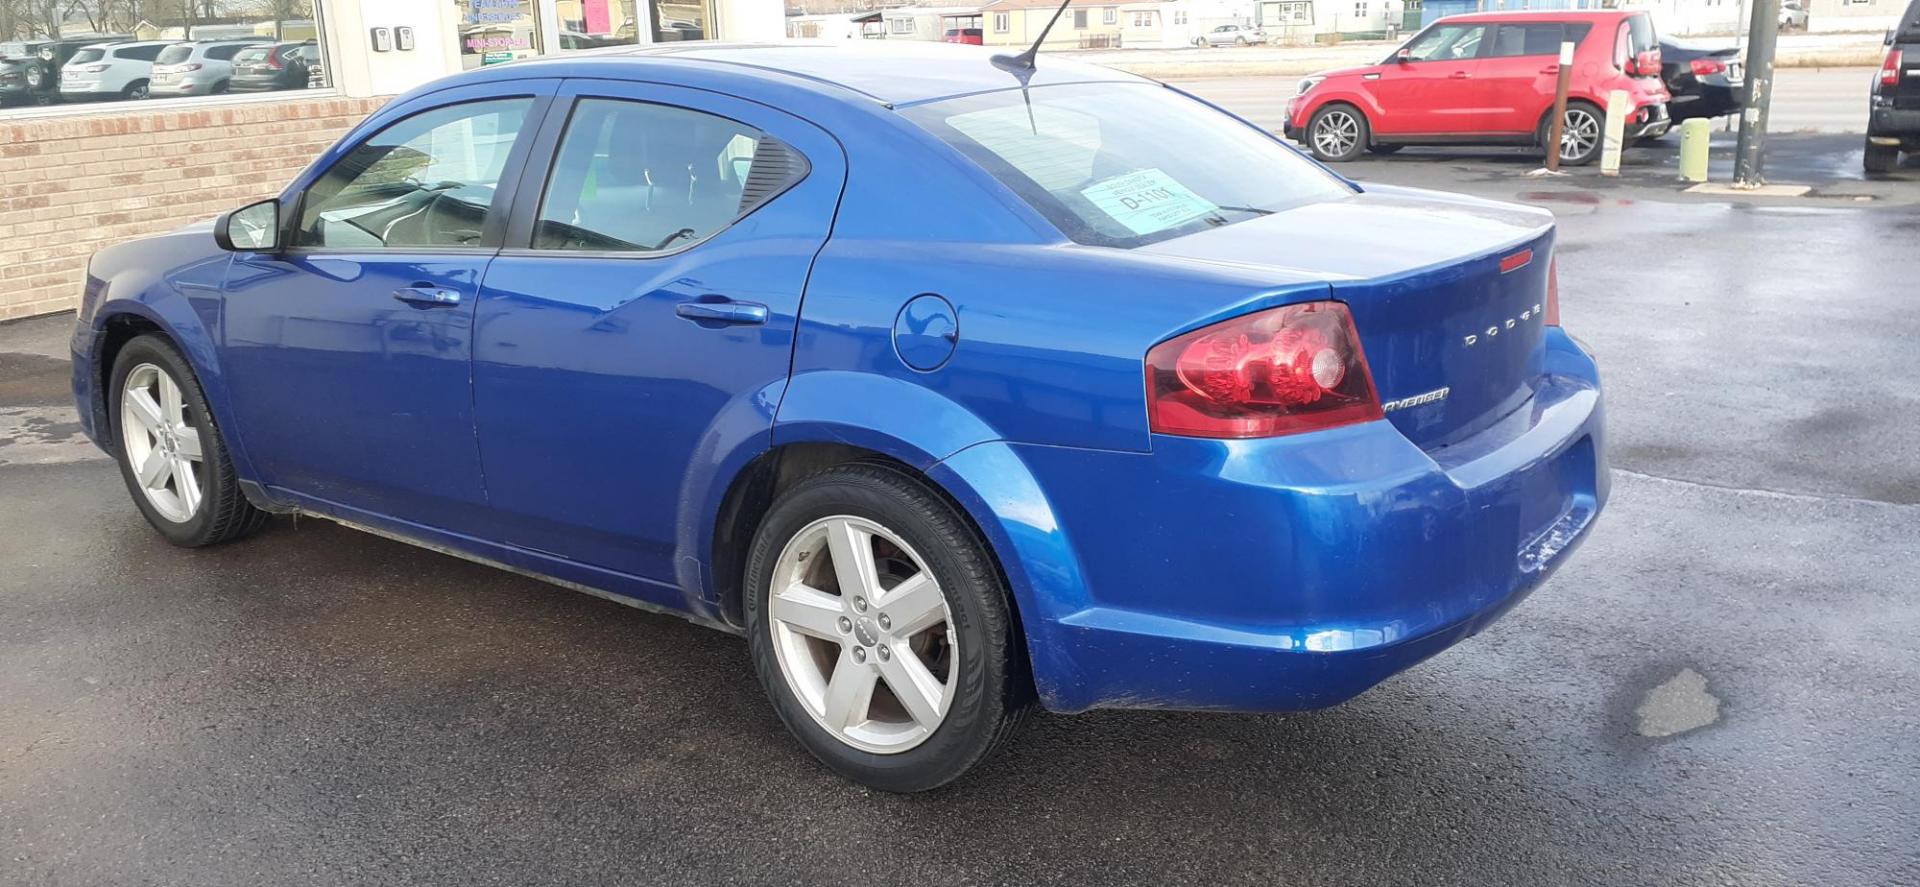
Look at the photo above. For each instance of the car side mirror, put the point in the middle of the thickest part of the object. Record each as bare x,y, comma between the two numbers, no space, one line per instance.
1403,56
251,228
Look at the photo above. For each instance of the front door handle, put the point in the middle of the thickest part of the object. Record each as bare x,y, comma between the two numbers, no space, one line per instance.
426,296
1550,69
721,312
1461,75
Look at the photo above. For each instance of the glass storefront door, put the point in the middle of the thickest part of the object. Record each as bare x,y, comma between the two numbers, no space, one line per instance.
493,31
585,24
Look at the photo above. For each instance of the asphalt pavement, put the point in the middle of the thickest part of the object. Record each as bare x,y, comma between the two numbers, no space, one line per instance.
1717,689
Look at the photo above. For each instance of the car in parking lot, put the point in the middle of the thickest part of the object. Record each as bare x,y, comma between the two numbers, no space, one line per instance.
1155,412
110,70
1488,79
1893,116
1231,35
30,69
197,67
286,65
1702,82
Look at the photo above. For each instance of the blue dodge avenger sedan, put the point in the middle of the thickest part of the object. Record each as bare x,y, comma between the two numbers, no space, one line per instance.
955,385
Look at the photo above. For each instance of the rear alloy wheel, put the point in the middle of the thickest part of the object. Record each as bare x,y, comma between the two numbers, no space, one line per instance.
881,630
1881,158
1337,133
135,90
1580,134
170,450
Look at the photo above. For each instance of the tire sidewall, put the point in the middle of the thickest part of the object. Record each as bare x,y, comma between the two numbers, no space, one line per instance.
150,349
979,622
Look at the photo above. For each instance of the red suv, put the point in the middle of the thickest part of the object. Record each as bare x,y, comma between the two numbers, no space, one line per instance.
1487,79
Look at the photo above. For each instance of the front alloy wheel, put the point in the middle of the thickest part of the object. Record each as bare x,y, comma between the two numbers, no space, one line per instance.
161,443
170,450
1337,134
881,629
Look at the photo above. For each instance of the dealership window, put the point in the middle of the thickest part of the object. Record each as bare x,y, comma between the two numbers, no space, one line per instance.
124,56
589,24
494,31
999,23
680,21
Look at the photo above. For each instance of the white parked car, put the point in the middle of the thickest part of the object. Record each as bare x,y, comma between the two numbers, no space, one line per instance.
1793,15
1231,35
109,70
198,67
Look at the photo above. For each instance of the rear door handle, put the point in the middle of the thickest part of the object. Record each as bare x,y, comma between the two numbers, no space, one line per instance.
722,311
1461,75
1550,69
426,296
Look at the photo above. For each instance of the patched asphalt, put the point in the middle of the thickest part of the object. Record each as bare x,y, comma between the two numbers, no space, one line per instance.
1717,689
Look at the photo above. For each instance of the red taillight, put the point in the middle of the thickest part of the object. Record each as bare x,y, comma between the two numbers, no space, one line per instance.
1890,69
276,60
1703,67
1553,292
1280,371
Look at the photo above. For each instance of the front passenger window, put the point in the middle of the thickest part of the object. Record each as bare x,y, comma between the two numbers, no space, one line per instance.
640,177
426,181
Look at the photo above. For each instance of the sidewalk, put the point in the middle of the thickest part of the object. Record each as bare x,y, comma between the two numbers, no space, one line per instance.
1795,51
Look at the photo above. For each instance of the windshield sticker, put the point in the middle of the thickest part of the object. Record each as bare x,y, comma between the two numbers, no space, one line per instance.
1147,201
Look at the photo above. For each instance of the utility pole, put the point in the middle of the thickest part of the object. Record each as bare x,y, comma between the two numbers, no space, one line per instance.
1762,32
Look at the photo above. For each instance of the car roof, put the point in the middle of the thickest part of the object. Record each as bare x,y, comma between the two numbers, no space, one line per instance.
122,44
893,72
1553,15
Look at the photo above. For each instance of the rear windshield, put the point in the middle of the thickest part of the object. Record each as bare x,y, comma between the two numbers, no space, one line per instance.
252,54
1126,165
1910,25
175,54
87,55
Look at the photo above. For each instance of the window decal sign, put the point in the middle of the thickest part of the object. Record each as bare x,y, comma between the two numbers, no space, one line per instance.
1147,201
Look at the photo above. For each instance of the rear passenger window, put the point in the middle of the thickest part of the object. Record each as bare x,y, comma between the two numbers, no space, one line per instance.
225,53
640,177
1537,39
139,53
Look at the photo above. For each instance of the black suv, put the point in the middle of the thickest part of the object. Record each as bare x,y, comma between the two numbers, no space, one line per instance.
1893,125
30,69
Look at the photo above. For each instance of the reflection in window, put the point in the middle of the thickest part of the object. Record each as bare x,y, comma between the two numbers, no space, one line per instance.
680,20
640,177
427,180
586,24
494,31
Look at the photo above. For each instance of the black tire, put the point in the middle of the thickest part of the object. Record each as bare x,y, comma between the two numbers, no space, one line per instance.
1351,127
1575,110
135,90
224,513
1881,158
220,88
993,692
1239,41
1384,150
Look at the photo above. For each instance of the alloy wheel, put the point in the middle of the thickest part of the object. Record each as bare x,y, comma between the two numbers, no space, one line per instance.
1336,133
161,438
863,634
1579,133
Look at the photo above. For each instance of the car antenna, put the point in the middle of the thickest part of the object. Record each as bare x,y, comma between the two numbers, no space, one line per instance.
1022,65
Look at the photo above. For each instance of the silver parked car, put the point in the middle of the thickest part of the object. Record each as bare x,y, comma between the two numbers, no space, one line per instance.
198,67
1231,35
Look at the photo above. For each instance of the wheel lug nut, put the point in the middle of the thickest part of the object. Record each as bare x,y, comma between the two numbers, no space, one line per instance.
846,625
859,654
885,623
885,654
860,604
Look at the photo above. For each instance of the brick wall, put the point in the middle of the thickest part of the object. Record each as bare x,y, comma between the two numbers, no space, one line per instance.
70,185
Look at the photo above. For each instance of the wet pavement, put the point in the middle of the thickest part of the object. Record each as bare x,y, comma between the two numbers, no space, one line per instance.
1718,689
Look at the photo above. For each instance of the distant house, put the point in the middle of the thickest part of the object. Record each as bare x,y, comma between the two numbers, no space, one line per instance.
927,22
1019,22
836,26
1311,21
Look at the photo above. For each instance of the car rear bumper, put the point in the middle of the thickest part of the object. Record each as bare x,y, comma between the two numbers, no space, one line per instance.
1296,572
1892,122
1651,122
1709,101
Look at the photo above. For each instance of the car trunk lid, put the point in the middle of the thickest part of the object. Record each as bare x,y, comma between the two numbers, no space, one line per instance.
1448,294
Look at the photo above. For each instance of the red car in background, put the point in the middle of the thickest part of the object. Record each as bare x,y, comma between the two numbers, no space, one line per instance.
1488,79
